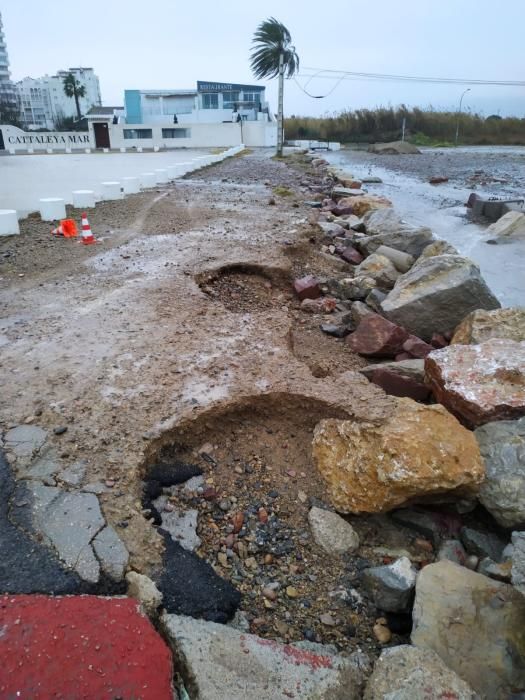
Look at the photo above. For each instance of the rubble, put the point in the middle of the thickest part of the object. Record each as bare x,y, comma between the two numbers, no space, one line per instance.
391,587
377,337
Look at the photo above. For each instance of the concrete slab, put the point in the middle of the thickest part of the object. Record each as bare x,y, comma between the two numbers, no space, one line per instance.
25,179
219,662
111,552
81,647
24,440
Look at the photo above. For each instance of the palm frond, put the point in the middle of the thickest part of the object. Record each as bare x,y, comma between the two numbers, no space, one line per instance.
270,40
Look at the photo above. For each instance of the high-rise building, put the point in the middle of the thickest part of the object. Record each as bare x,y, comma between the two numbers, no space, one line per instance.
7,89
43,101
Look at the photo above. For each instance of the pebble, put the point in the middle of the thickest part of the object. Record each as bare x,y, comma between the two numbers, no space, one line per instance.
269,593
237,522
327,619
381,631
224,505
471,562
292,592
263,515
60,430
302,496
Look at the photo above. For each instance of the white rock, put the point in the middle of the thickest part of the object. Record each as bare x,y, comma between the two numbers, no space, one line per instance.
332,532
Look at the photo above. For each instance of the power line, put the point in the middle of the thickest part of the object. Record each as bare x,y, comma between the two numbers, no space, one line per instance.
354,75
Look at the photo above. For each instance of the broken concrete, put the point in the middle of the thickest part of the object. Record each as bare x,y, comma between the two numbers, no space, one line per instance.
219,662
111,553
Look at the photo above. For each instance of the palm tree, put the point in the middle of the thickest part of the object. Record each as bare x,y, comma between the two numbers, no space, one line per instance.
74,88
273,55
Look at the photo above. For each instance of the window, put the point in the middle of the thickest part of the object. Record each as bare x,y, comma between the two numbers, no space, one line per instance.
138,133
176,133
230,99
254,97
210,100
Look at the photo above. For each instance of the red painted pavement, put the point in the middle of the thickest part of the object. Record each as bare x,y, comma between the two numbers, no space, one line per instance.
78,647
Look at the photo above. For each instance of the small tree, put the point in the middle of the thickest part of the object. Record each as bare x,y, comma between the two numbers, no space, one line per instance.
273,55
74,88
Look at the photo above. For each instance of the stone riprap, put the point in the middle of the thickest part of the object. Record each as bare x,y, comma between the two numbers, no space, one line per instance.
475,624
502,446
481,325
479,383
419,451
437,294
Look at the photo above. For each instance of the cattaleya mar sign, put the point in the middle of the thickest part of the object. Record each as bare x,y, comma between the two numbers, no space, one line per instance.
48,139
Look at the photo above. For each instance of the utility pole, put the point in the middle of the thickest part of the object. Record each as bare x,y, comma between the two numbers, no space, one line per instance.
280,129
459,114
403,129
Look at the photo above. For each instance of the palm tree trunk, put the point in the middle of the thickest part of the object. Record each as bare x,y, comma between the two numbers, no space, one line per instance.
280,129
77,103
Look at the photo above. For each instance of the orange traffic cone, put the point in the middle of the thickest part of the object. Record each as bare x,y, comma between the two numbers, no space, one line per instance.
58,231
66,228
87,234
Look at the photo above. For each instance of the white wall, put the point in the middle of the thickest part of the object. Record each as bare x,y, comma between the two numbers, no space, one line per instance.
254,134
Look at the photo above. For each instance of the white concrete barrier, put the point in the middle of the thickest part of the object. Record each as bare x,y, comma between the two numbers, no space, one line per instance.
148,180
52,209
111,190
83,199
161,175
131,185
8,222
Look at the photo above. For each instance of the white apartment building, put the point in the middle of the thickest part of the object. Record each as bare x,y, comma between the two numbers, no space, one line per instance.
43,101
7,89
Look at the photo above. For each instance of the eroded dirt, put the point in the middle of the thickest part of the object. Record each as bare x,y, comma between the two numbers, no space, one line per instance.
131,341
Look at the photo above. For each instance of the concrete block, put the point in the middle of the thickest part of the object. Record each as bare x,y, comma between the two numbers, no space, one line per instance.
161,175
83,199
8,222
148,180
52,209
111,190
131,185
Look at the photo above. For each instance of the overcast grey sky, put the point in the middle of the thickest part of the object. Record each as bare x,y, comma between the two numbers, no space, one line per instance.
172,44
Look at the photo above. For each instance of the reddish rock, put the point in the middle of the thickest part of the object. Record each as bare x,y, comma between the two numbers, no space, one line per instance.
417,347
237,522
209,494
319,306
479,383
377,337
341,211
438,341
397,385
401,356
438,179
80,647
307,288
352,255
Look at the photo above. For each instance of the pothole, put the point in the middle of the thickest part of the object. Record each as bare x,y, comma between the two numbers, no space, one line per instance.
245,288
251,506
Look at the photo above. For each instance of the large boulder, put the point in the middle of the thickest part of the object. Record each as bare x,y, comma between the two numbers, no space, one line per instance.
510,225
436,294
420,451
502,446
409,673
377,337
381,269
479,383
394,148
475,624
402,261
385,228
219,663
481,325
364,203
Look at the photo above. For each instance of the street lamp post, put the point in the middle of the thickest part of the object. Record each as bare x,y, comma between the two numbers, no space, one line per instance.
459,114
